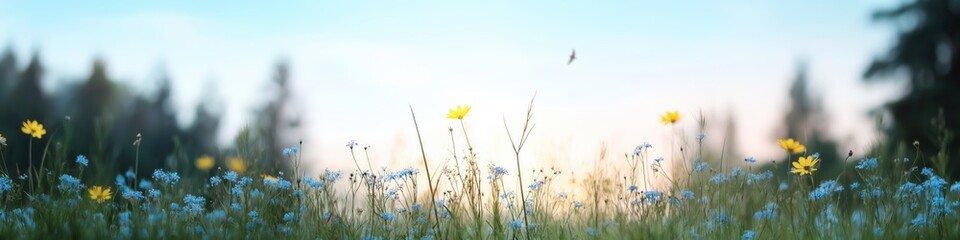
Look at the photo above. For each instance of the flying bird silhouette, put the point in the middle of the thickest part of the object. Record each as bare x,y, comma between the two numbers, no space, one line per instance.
573,56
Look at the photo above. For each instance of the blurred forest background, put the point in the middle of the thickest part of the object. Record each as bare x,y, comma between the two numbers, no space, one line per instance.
100,117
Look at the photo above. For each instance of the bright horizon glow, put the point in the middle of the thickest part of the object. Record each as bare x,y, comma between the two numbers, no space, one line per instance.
355,67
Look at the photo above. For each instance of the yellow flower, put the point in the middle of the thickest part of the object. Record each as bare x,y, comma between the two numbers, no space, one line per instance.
268,177
805,165
236,164
458,113
100,194
204,162
670,117
3,140
33,128
792,146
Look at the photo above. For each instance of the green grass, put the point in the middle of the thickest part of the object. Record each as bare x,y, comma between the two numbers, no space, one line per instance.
678,197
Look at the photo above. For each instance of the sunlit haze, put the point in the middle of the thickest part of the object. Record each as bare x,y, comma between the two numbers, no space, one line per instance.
357,67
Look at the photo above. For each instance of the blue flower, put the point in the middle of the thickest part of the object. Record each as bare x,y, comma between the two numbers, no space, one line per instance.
82,160
388,216
718,179
120,180
128,193
5,185
700,166
332,176
277,183
536,185
938,206
736,172
749,235
867,193
854,185
919,221
144,184
26,215
720,217
867,164
756,177
857,218
954,188
230,176
632,188
687,194
313,183
130,174
289,217
825,189
194,204
124,218
497,173
637,150
215,180
256,193
69,184
750,160
768,212
653,195
290,151
244,181
165,177
516,224
577,204
783,186
153,193
934,183
236,190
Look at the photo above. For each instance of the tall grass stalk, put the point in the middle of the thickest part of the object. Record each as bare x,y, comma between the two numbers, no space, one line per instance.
517,147
426,166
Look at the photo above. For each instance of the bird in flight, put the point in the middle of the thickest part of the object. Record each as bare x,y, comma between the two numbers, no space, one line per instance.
573,56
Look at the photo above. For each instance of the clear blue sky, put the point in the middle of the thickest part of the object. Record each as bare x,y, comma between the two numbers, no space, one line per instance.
357,64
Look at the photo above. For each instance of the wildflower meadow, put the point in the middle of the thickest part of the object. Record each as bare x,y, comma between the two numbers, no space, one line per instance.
684,195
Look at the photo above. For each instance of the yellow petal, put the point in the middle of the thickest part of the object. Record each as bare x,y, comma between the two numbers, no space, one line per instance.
797,165
799,149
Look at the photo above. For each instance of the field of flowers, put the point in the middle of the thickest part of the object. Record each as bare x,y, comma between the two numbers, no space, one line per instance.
684,196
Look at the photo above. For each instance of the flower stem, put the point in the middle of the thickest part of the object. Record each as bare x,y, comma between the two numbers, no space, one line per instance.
426,166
